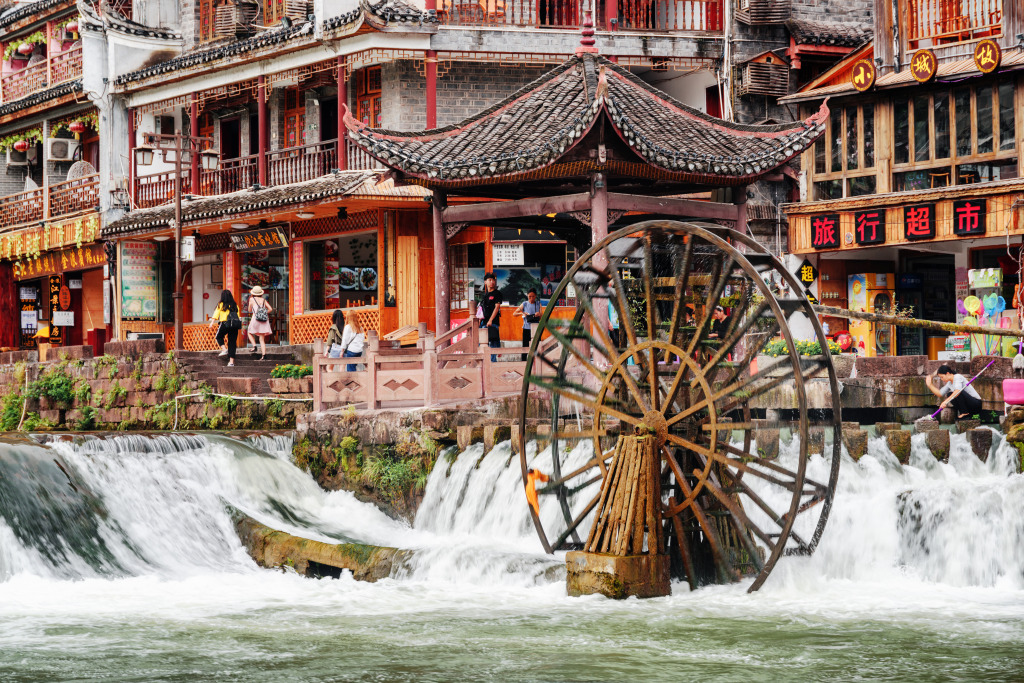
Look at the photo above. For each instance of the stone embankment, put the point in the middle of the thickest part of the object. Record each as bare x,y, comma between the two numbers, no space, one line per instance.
132,387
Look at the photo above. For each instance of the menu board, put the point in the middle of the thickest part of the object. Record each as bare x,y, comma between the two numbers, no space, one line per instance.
138,280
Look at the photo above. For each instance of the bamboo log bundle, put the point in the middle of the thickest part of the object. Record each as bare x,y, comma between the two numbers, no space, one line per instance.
953,328
629,508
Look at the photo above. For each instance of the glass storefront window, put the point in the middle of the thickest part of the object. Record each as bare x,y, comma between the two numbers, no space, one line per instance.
269,270
342,272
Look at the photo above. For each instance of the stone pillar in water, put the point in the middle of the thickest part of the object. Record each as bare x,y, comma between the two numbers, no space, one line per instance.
625,551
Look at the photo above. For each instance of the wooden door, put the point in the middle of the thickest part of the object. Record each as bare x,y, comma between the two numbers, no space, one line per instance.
294,118
408,281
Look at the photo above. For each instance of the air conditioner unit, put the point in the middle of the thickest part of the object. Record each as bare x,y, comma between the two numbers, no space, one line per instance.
61,149
16,158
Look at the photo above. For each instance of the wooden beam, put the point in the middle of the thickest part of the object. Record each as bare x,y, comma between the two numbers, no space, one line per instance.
687,208
537,206
883,319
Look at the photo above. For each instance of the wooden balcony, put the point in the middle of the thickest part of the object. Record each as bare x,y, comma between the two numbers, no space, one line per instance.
60,199
296,164
933,23
155,189
232,175
56,69
359,160
633,15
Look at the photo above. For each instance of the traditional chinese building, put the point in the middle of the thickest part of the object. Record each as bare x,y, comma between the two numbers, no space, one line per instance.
585,149
918,179
51,265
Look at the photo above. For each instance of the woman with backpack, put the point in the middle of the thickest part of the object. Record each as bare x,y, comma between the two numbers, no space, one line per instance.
259,320
225,317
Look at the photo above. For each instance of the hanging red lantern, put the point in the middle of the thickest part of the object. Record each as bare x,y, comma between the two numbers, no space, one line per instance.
26,48
72,27
21,145
76,127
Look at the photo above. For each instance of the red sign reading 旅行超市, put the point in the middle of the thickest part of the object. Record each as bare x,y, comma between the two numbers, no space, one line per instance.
968,219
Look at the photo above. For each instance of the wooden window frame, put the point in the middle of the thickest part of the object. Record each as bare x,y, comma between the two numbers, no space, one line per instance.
954,160
845,174
368,90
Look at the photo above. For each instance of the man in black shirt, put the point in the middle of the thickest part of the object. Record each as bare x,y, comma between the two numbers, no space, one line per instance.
492,311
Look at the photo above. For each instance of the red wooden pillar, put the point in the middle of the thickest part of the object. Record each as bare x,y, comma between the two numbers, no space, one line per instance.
342,110
131,158
598,231
193,156
442,273
264,132
741,209
431,63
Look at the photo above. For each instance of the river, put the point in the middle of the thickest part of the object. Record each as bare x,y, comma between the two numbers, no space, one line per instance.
127,568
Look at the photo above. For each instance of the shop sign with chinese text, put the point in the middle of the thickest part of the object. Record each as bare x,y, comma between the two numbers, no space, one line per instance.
807,273
969,217
508,254
56,282
919,222
257,240
825,231
869,226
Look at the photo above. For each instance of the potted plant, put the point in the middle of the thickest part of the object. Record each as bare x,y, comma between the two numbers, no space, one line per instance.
21,50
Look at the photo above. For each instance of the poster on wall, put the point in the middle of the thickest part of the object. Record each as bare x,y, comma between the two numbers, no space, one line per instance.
514,283
332,290
138,280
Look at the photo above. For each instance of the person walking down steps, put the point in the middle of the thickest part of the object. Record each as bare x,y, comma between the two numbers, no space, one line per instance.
225,318
259,321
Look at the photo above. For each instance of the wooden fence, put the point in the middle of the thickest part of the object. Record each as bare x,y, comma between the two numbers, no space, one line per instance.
457,366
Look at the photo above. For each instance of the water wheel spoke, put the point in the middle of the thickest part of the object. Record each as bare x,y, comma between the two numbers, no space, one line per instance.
741,520
737,330
577,354
726,571
684,552
606,342
555,483
720,279
774,466
678,305
673,390
652,323
576,522
563,391
768,510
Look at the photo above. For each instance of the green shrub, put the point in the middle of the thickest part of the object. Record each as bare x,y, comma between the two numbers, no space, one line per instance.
295,371
56,385
116,394
778,347
11,406
391,474
88,420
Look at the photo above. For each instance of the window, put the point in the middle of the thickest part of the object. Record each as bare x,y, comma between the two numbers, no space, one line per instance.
368,91
844,158
954,138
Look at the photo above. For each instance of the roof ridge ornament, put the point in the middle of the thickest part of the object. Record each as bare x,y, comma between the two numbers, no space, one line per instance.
588,45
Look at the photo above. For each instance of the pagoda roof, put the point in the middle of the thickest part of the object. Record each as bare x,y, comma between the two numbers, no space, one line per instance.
589,115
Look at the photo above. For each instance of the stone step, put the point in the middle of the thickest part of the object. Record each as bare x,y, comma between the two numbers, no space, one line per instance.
198,356
254,363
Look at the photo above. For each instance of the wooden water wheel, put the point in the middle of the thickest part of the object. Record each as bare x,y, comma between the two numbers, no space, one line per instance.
644,354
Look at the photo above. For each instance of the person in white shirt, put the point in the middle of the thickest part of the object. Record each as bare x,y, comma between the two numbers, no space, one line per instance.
352,339
965,399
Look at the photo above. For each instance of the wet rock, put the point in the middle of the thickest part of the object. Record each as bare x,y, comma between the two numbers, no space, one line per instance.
981,442
767,441
494,434
883,427
898,441
964,426
467,435
815,440
937,441
947,416
616,576
925,424
856,443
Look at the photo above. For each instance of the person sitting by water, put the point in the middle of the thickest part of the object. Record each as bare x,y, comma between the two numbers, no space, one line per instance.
965,399
532,477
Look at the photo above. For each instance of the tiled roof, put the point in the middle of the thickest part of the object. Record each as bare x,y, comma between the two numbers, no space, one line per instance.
112,20
27,10
39,96
537,125
841,34
947,71
363,184
396,12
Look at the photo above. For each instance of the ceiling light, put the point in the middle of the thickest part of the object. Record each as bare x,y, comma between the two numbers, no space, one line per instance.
239,226
161,238
304,215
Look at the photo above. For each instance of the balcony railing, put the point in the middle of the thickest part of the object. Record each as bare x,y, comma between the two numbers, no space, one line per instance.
640,15
932,23
65,198
58,68
232,175
359,160
158,188
296,164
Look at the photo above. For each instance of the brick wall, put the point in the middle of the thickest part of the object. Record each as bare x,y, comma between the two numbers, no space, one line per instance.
860,11
312,117
465,89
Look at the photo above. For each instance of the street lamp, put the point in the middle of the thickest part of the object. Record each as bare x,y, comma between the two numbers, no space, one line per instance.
178,146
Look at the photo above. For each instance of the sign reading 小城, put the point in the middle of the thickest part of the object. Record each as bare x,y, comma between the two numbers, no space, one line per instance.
825,231
807,273
869,226
508,254
969,217
256,240
923,65
919,222
863,75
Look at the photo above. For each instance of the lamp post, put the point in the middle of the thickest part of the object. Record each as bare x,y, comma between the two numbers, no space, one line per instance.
178,145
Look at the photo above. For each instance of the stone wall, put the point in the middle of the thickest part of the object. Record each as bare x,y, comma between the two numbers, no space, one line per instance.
860,11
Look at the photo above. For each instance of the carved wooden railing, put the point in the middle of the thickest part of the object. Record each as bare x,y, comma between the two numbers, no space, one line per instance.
199,337
67,65
296,164
398,377
646,15
232,175
359,160
932,23
75,195
156,189
24,82
23,207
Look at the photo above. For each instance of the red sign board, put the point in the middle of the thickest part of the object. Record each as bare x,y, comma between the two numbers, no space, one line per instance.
869,226
987,56
969,217
923,66
863,75
65,298
56,282
919,222
825,231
